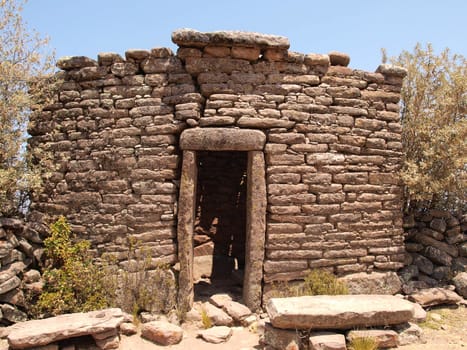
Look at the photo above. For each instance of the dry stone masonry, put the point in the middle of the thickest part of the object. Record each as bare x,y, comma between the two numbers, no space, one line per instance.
232,146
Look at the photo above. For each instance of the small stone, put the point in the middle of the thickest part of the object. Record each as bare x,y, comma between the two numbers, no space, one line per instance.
373,283
216,335
327,341
339,58
419,313
136,54
218,316
68,63
220,300
279,338
460,281
385,338
193,316
12,314
163,333
438,225
409,333
31,276
435,296
314,59
236,310
424,264
387,69
108,343
128,328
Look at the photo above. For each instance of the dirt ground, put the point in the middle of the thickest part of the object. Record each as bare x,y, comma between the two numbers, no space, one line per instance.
445,329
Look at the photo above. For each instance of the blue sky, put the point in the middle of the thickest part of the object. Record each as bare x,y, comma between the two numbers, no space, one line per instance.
358,27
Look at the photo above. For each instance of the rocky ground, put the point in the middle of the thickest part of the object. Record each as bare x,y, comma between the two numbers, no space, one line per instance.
445,328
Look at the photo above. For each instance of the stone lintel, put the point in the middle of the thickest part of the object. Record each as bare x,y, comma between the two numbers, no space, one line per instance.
194,38
222,139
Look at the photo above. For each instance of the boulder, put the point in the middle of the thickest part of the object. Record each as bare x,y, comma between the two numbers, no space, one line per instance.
460,281
385,338
435,296
338,312
36,333
373,283
216,335
161,332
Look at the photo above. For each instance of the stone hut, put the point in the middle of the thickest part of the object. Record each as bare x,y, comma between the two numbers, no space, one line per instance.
233,147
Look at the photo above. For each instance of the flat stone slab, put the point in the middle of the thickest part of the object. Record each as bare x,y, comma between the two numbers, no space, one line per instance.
222,139
338,312
36,333
194,38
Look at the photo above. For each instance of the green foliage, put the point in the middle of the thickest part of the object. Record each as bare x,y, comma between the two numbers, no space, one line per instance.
23,64
205,319
72,282
138,284
363,343
434,135
316,282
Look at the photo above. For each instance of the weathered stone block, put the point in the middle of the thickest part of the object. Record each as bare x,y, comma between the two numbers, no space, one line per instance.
338,312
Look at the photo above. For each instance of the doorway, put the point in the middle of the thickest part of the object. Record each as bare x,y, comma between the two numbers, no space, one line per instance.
222,208
220,222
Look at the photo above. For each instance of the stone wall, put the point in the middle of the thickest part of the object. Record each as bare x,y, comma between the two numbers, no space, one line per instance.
332,152
436,242
20,254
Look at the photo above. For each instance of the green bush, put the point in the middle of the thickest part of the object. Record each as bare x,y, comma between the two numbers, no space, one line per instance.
316,282
72,283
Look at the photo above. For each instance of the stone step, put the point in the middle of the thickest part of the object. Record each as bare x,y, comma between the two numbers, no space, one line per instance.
37,333
338,312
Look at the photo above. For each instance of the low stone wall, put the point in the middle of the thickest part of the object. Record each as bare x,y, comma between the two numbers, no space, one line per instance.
20,253
436,242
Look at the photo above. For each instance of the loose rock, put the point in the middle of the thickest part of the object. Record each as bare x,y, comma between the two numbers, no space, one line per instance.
216,335
161,332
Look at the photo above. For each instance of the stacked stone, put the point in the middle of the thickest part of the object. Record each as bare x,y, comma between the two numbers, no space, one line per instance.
20,252
112,133
436,243
332,152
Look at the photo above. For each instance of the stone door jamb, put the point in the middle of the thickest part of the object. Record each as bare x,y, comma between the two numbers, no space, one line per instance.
223,139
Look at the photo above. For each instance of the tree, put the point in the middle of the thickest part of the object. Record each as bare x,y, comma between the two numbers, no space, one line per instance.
434,135
23,65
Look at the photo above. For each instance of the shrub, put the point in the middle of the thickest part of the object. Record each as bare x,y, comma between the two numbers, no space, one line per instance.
434,128
72,283
316,282
137,284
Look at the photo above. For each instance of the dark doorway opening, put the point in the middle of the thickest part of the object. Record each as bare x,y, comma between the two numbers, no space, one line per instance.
220,222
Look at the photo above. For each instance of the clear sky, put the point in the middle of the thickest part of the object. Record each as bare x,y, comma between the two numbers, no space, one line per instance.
358,27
